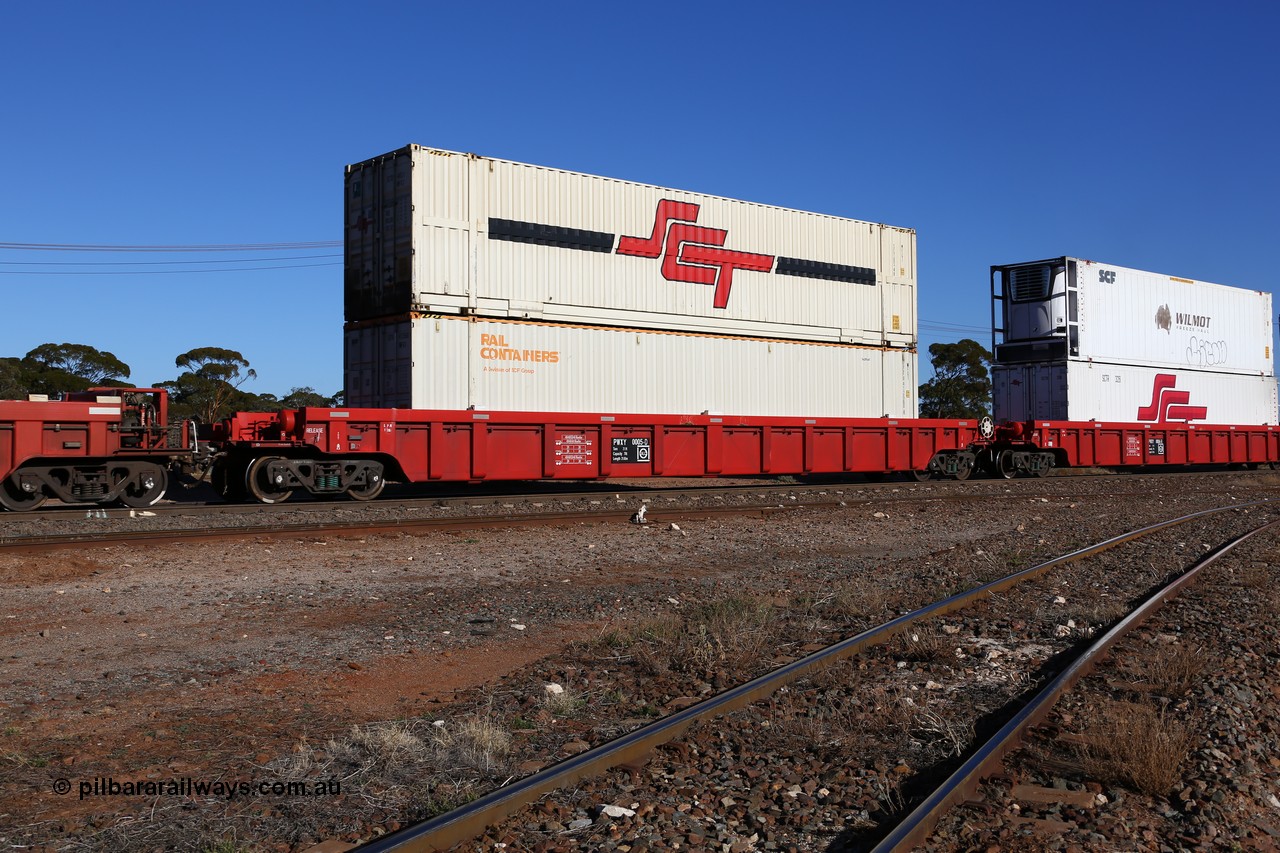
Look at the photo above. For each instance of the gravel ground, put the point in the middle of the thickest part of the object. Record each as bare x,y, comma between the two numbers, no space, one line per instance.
1199,677
274,660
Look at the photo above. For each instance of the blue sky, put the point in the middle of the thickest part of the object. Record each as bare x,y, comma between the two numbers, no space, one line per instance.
1140,134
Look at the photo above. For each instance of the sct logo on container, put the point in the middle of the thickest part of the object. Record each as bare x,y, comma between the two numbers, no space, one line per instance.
690,252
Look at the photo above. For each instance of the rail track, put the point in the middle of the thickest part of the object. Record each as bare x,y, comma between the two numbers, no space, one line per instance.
633,749
346,631
201,501
190,522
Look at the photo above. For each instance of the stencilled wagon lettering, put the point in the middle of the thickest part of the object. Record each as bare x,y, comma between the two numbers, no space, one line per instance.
574,449
627,450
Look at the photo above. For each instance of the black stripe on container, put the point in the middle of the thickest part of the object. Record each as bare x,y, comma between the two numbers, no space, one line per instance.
550,235
831,272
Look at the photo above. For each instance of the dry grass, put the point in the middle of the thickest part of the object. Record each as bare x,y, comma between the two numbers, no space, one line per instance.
922,644
411,768
1100,614
478,742
1255,576
1173,671
433,767
1140,745
566,703
952,733
823,730
725,634
860,600
894,707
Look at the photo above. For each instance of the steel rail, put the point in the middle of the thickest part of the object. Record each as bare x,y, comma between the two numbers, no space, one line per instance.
834,497
915,829
445,499
623,489
614,492
469,821
52,542
659,513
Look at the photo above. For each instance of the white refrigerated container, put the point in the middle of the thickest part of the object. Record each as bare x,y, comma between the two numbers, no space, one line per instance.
1096,391
1074,309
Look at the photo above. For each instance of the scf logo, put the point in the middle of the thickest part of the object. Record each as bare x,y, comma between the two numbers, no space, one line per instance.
1168,404
692,253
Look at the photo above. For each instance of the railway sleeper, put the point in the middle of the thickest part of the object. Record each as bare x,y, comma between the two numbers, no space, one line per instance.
272,479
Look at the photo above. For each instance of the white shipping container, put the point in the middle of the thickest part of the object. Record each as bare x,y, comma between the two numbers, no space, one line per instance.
441,232
459,363
1078,309
1094,391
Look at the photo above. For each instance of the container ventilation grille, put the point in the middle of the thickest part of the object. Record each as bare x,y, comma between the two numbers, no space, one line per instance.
1030,283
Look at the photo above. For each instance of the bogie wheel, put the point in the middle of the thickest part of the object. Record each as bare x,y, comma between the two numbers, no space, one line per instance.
369,490
963,470
147,485
13,497
258,485
1004,465
922,476
1043,471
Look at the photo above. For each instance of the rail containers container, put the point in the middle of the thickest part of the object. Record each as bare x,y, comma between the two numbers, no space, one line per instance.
458,363
1080,340
439,232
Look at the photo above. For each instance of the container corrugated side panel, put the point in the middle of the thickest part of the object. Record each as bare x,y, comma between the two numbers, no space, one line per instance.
1157,320
1085,391
520,279
617,287
567,369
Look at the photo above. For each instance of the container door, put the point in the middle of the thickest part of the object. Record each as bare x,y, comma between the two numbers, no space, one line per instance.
1049,385
444,231
898,285
898,370
1008,402
379,237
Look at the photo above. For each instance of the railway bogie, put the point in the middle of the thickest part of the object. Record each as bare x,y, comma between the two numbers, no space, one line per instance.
271,478
100,446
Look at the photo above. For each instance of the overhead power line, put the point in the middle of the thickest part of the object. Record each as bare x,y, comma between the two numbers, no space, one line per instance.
167,272
161,263
210,247
928,326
